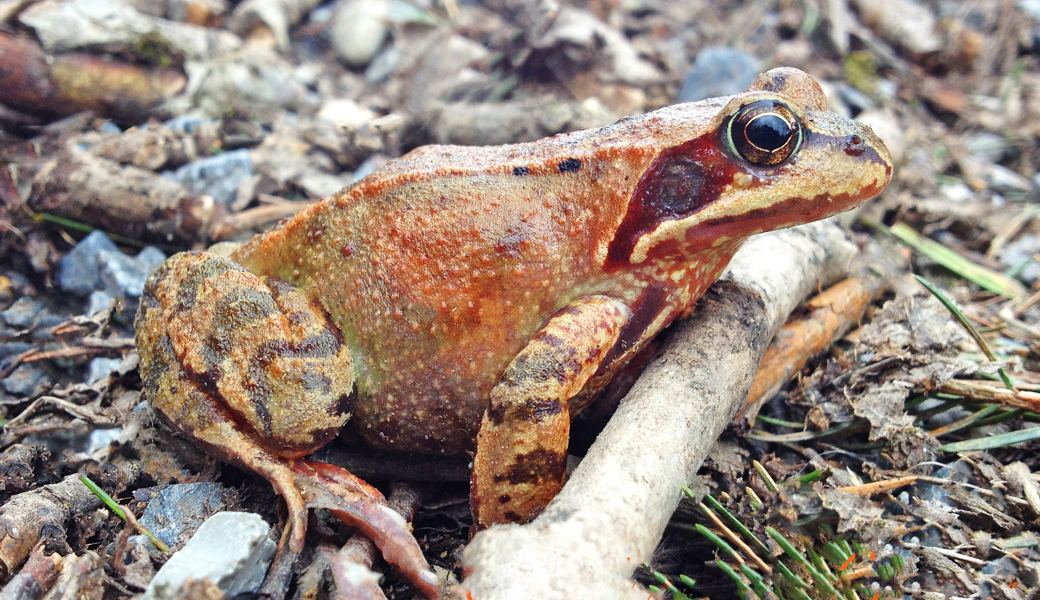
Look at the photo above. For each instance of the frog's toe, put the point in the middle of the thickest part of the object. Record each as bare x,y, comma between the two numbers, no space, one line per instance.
360,505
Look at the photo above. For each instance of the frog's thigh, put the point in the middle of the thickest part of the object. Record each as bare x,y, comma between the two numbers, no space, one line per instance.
256,347
186,408
522,445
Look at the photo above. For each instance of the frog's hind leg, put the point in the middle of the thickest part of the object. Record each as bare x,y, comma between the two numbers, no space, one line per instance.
249,367
185,408
521,456
360,505
255,372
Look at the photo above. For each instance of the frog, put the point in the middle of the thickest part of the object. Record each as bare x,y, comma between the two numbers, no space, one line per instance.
469,301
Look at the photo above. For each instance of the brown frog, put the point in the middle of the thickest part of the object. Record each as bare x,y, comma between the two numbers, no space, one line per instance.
474,299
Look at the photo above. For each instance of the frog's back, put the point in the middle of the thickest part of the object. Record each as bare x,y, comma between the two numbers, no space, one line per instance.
441,266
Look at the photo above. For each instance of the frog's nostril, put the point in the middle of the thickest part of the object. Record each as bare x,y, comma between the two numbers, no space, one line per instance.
855,145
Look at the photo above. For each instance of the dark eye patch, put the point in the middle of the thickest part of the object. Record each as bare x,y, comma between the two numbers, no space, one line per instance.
520,171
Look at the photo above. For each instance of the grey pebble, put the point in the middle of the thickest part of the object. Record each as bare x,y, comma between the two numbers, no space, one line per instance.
101,368
180,509
231,549
97,265
23,381
43,324
128,273
185,123
101,438
13,349
79,271
217,176
718,71
22,312
97,302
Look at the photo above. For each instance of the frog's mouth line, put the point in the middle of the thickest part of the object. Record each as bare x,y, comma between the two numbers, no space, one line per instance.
781,215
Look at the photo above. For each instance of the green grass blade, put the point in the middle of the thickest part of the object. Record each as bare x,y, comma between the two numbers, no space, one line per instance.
756,581
963,320
721,543
993,441
732,520
998,283
766,477
791,576
114,507
728,570
967,421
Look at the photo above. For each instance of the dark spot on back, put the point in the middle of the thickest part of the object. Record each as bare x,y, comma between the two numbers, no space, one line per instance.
520,171
571,165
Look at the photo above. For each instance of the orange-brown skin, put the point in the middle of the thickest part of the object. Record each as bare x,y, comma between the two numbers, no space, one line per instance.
436,273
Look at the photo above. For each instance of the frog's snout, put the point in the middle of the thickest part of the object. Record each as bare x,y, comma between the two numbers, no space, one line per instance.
865,143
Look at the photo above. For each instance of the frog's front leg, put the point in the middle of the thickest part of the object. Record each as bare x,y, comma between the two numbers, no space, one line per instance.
254,371
521,456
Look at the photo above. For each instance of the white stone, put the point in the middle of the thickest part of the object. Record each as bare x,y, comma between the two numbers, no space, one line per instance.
231,549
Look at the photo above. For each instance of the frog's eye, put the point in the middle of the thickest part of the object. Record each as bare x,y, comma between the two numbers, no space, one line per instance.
764,133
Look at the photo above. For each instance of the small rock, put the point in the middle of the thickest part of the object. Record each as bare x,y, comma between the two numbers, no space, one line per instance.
383,65
101,438
97,302
13,349
187,124
887,127
1032,7
126,274
344,112
902,23
23,381
22,312
79,270
320,185
110,127
180,509
217,176
101,368
1003,179
43,324
957,192
988,146
718,71
1019,253
231,549
358,30
856,100
369,166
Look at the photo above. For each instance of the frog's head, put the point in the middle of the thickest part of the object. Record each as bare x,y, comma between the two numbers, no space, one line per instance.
772,157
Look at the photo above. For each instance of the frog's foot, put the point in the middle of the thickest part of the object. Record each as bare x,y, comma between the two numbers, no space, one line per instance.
360,505
521,456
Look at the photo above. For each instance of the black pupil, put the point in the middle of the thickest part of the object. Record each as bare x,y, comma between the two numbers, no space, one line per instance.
768,132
